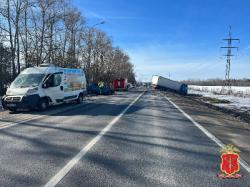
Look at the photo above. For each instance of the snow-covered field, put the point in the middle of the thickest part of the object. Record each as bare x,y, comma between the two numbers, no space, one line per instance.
236,90
239,99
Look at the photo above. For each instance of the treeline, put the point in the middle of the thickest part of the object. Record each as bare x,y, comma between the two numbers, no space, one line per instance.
5,61
53,31
217,82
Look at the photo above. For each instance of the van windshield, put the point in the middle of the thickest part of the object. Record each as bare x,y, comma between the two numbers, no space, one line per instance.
27,80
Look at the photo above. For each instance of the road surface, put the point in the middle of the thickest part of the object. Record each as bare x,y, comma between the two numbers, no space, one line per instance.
129,139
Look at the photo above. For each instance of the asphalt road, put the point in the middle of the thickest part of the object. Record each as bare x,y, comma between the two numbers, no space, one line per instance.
129,139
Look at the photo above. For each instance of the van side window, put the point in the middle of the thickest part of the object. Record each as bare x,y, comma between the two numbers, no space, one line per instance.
57,79
54,80
50,81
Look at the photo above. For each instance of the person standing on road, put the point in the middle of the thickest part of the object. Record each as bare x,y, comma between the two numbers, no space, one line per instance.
101,86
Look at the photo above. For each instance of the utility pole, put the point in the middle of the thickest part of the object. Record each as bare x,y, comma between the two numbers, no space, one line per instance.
226,89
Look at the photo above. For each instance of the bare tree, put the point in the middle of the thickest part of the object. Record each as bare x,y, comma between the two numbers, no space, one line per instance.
53,31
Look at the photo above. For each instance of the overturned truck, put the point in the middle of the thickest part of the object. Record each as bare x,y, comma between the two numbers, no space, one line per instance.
162,83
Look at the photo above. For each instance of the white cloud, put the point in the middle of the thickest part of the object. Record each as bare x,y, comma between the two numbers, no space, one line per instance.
91,14
114,16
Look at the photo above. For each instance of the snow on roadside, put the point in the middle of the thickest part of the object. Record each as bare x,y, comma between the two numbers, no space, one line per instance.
240,100
239,91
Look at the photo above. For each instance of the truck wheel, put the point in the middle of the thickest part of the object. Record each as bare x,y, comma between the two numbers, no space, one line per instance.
79,99
42,105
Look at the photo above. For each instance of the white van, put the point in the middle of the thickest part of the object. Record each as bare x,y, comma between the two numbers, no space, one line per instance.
39,87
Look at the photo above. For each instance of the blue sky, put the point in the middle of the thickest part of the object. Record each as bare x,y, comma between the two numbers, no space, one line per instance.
180,38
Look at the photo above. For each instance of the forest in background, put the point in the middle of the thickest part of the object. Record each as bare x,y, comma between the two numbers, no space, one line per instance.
33,32
217,82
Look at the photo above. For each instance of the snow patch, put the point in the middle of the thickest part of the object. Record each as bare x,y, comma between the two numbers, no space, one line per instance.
239,99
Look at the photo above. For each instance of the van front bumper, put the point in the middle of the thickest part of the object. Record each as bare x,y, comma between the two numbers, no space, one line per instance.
20,102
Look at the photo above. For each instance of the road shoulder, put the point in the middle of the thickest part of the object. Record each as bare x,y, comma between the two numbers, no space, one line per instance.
226,128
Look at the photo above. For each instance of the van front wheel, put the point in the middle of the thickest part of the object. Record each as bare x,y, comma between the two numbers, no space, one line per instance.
42,105
79,99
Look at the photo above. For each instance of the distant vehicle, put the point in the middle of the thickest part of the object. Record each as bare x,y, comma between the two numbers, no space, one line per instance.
95,89
106,90
120,84
130,86
159,82
39,87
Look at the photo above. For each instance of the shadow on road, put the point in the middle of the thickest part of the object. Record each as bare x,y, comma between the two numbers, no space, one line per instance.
101,105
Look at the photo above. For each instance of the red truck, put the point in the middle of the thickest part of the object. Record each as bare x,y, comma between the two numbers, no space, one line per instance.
120,84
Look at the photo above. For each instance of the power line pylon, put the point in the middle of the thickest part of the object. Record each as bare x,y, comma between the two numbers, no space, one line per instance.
226,89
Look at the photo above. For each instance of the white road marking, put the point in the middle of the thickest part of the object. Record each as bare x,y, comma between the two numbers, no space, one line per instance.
243,163
11,124
24,119
61,174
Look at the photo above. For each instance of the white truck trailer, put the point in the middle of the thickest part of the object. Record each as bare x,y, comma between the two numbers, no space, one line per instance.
39,87
160,82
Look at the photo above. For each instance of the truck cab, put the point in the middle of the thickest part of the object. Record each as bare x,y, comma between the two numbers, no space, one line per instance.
120,84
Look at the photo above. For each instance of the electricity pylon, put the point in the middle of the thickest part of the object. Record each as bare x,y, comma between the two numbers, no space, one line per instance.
226,89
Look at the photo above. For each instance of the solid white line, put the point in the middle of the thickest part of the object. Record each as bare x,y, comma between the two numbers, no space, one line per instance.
11,124
24,120
59,176
243,163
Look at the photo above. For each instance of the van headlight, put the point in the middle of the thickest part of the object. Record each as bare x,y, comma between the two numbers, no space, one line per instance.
31,91
8,92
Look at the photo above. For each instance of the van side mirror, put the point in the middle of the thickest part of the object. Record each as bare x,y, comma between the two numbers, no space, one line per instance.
44,85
